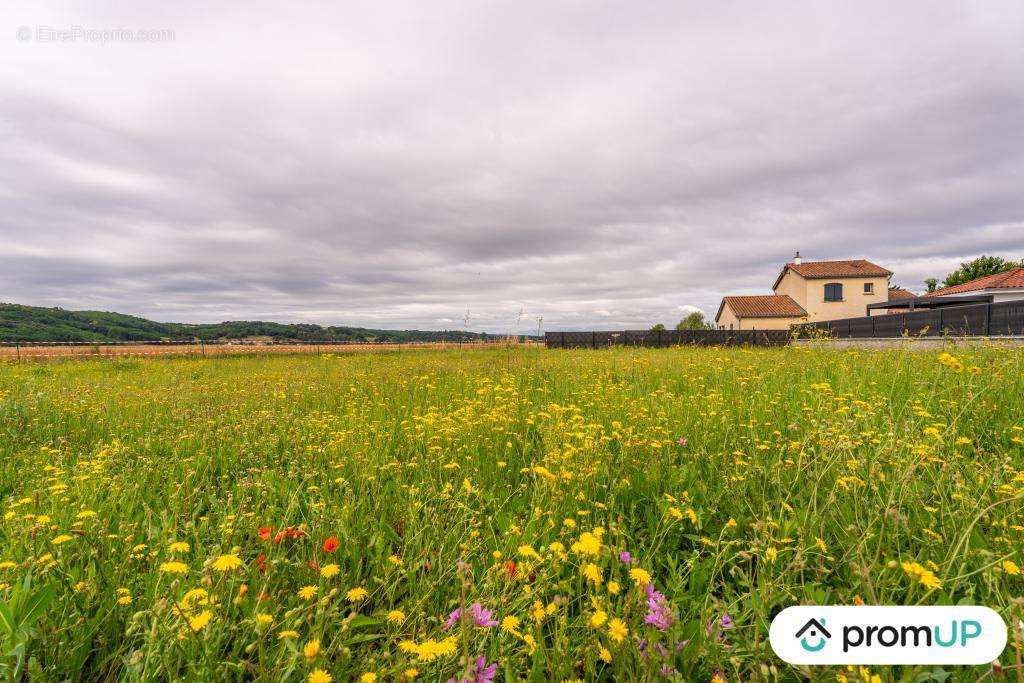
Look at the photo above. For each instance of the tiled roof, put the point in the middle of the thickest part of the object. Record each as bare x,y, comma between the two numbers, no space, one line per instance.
1010,279
896,293
817,270
766,306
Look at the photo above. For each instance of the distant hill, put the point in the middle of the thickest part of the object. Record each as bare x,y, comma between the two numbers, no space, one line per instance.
31,323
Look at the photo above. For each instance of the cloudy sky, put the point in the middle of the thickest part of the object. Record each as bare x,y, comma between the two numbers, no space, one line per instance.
397,164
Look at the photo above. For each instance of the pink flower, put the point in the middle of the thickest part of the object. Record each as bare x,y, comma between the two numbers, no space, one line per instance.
482,617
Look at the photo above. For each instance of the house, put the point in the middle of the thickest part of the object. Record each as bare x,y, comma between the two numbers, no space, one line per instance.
898,294
809,291
1005,286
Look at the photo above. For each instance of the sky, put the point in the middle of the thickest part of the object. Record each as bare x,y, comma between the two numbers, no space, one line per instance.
495,165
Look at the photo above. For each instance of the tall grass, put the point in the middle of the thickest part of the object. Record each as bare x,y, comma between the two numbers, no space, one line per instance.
736,482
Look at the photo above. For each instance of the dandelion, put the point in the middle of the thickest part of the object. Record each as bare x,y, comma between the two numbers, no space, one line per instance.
198,622
640,576
598,618
368,677
771,554
592,573
179,547
329,571
1010,567
356,594
617,630
510,624
921,574
319,676
311,649
173,567
264,620
396,616
291,635
63,538
613,587
604,654
226,563
588,544
308,592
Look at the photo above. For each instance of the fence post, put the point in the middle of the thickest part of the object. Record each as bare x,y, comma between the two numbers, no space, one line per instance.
940,321
593,340
872,319
18,349
659,339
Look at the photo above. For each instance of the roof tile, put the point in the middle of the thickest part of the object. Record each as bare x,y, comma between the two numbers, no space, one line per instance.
766,306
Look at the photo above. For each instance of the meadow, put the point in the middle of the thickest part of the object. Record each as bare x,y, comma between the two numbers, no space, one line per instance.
516,514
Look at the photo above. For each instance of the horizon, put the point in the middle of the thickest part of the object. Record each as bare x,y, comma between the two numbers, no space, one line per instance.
395,166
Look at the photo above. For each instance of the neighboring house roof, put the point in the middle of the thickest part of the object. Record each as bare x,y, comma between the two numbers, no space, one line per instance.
817,270
765,306
1010,279
896,293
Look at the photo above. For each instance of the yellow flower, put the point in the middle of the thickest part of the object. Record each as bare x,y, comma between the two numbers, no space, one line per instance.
199,621
640,576
287,634
308,592
528,552
226,563
592,573
598,618
311,649
63,538
531,643
771,554
613,587
124,600
411,673
396,616
588,544
356,594
264,620
510,625
617,630
179,547
319,676
329,570
605,655
1010,567
919,573
368,677
173,567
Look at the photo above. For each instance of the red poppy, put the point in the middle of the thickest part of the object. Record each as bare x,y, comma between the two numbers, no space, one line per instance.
331,544
261,562
510,567
266,532
279,536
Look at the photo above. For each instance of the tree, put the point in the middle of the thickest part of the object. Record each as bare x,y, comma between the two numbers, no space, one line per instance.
658,328
979,267
931,283
694,321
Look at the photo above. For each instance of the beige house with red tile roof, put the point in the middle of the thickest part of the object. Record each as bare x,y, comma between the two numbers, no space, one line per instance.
809,292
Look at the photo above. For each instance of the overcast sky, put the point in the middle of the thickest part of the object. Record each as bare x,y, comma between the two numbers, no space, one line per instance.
395,164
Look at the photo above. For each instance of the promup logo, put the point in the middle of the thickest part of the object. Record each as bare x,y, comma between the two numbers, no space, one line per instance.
815,630
888,635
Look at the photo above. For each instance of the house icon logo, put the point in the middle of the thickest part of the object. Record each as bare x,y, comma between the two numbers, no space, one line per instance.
815,631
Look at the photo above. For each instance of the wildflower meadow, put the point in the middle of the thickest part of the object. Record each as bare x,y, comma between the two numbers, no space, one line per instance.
497,515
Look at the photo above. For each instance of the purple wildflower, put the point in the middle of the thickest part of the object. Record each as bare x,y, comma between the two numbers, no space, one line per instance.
659,614
681,441
625,557
481,672
481,617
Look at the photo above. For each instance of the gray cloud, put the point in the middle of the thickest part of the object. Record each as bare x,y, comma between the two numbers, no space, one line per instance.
397,164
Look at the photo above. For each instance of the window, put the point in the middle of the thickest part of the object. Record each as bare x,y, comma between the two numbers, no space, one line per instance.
834,291
869,287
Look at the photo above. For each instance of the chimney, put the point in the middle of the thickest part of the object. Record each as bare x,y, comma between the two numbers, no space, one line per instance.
796,259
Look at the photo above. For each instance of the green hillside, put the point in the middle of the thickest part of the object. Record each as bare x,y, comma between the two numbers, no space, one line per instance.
31,323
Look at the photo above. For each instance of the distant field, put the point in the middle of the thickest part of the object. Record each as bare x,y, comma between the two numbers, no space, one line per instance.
81,350
621,514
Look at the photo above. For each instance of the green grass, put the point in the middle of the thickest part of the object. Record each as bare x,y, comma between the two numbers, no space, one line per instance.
807,476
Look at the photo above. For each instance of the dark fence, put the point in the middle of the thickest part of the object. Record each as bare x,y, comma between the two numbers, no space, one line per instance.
983,320
653,338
